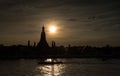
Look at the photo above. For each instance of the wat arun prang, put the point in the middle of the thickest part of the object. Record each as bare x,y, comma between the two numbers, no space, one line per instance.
43,42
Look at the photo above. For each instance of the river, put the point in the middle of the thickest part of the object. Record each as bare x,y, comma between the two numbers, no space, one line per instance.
69,67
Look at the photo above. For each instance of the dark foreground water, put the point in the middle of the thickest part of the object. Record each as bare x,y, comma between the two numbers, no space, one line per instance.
70,67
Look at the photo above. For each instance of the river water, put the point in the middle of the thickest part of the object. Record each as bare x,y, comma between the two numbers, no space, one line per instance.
69,67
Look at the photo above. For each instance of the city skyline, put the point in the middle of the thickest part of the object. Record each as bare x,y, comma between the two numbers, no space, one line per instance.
78,22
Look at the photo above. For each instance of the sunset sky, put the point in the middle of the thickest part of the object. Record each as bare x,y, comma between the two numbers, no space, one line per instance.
78,22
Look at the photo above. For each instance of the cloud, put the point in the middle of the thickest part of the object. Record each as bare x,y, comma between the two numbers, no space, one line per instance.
72,20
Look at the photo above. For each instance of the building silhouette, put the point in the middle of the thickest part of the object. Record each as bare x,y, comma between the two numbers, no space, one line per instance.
43,42
28,43
53,44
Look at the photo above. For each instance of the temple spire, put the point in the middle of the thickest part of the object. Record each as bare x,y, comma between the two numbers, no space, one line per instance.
43,42
43,28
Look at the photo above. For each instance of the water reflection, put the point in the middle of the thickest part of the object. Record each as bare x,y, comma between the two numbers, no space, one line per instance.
50,70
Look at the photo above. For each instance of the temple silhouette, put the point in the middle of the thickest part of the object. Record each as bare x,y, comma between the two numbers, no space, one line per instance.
43,42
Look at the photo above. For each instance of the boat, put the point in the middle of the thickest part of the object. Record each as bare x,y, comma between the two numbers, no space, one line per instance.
50,62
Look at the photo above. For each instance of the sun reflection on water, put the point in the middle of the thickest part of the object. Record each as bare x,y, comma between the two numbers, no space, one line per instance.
50,70
48,60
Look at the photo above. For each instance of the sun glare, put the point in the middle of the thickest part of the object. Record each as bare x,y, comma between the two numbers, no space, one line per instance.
52,29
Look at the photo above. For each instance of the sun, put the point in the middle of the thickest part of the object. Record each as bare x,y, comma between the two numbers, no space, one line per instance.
52,29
